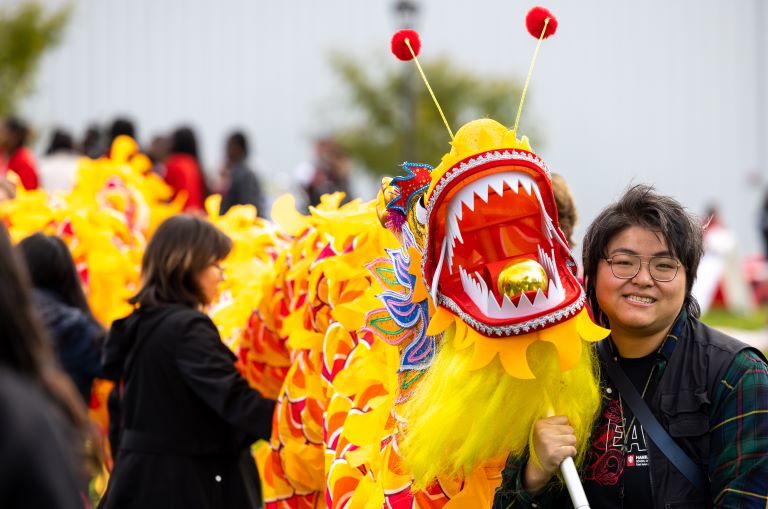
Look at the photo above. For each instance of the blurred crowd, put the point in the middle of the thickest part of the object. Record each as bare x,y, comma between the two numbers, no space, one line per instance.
175,156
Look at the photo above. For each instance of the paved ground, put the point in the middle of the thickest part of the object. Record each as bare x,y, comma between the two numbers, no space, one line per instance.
758,339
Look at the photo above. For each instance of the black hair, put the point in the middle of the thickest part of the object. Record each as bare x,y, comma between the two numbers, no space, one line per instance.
642,206
239,139
52,268
20,131
60,140
121,126
184,141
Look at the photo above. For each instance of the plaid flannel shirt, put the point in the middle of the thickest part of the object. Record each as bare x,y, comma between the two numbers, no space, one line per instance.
738,466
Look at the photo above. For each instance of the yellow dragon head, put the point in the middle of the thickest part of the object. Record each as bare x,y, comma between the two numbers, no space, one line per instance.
493,251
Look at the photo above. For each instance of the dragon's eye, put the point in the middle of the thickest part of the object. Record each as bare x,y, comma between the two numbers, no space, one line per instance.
421,211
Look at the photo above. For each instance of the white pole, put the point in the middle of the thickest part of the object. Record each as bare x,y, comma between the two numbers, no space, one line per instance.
571,477
573,483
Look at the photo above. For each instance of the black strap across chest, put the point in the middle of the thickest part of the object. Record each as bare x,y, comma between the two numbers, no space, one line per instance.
651,425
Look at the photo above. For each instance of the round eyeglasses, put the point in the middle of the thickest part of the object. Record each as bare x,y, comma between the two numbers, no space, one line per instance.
626,266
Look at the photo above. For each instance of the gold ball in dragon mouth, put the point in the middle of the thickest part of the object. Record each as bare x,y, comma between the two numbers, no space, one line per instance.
522,277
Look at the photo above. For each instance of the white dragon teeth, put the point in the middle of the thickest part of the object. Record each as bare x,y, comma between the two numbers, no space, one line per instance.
548,262
482,192
457,234
527,185
497,186
438,270
540,298
468,197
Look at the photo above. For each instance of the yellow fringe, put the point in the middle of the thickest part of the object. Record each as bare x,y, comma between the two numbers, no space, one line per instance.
458,418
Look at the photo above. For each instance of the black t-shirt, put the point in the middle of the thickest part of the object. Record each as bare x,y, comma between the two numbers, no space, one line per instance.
614,478
636,480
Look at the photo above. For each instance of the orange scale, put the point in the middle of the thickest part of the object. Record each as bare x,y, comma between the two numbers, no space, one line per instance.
336,348
395,464
337,413
342,447
315,410
296,411
274,478
433,497
322,319
297,376
339,363
342,483
288,429
351,294
370,392
313,431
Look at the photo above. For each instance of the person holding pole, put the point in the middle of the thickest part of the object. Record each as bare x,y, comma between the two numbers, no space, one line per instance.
684,414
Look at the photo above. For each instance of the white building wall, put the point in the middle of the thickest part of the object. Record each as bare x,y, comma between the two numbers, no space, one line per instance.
670,93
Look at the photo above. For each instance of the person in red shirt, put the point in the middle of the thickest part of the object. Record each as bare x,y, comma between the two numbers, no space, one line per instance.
14,155
183,171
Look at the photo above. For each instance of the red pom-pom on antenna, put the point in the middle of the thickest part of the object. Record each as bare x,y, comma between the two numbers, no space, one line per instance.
534,22
400,49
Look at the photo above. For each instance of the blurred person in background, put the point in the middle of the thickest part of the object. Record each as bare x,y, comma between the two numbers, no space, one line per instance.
566,207
326,174
92,143
241,184
15,156
158,151
42,418
721,282
121,126
60,301
188,417
183,171
59,165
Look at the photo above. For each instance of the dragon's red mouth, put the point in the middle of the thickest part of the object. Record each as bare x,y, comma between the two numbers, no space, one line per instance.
480,245
495,219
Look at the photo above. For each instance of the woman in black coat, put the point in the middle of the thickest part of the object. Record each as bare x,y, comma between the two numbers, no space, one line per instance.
187,415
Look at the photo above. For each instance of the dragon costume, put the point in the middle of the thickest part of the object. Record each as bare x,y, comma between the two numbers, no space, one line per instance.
480,331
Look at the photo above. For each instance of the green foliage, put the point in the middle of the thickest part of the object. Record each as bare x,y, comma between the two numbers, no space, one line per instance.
378,136
718,317
25,34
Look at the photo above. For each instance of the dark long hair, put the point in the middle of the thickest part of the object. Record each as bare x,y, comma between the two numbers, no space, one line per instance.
642,206
181,248
52,268
24,347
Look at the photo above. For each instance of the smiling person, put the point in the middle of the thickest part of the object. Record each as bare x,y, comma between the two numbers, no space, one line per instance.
188,417
684,414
